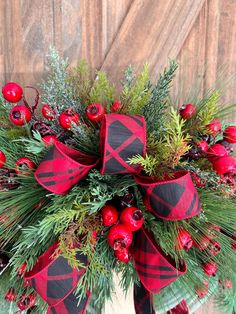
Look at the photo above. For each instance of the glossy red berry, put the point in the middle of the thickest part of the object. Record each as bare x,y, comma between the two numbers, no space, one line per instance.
214,127
19,115
230,134
27,301
123,255
202,145
228,284
214,247
187,111
210,268
116,106
109,215
95,112
12,92
119,237
202,243
2,159
184,240
10,295
67,118
223,165
132,217
216,151
233,245
47,112
23,165
49,140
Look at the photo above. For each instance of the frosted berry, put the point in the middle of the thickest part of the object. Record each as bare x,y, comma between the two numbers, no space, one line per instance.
12,92
119,237
132,217
228,284
187,111
214,248
47,112
2,159
10,295
214,127
202,145
109,215
216,151
123,255
210,268
67,118
95,112
223,165
116,106
24,163
184,240
49,140
230,134
20,114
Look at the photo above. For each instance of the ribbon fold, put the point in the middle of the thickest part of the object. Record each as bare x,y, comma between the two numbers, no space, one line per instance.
174,198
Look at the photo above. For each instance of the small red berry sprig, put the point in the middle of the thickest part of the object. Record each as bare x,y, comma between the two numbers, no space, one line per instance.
122,226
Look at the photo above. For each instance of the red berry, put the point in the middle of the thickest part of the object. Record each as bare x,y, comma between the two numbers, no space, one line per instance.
216,151
187,111
223,165
132,217
2,159
197,180
12,92
68,117
21,270
95,112
201,291
47,112
49,140
230,134
24,163
228,284
203,145
215,248
214,127
210,268
184,239
202,243
109,215
116,106
123,255
233,245
19,115
119,237
27,301
10,295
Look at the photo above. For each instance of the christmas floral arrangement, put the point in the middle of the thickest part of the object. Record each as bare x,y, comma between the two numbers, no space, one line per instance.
95,183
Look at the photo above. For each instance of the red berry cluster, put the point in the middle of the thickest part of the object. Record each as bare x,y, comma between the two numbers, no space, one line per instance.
27,301
120,235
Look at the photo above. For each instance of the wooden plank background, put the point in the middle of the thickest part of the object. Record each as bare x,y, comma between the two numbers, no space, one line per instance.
111,34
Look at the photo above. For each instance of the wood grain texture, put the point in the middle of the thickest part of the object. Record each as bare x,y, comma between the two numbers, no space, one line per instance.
153,31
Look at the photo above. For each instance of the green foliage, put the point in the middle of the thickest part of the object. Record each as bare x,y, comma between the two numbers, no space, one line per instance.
155,108
136,93
102,91
86,139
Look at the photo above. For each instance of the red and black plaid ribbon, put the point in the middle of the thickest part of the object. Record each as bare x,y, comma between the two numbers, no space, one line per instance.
175,198
172,199
54,280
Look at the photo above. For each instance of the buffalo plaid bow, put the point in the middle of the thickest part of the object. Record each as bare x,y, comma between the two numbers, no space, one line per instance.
174,198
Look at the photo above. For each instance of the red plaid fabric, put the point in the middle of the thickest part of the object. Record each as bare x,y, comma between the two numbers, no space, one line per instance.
62,168
181,308
143,300
173,199
54,280
122,137
155,270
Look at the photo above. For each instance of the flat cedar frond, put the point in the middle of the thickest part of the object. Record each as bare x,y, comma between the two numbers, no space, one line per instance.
80,76
102,91
149,163
136,94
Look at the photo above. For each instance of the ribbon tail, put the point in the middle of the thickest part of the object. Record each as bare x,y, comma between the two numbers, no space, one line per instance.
143,300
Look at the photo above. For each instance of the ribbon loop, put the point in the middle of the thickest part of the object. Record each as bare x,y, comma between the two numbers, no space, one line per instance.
122,137
155,270
62,168
172,199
